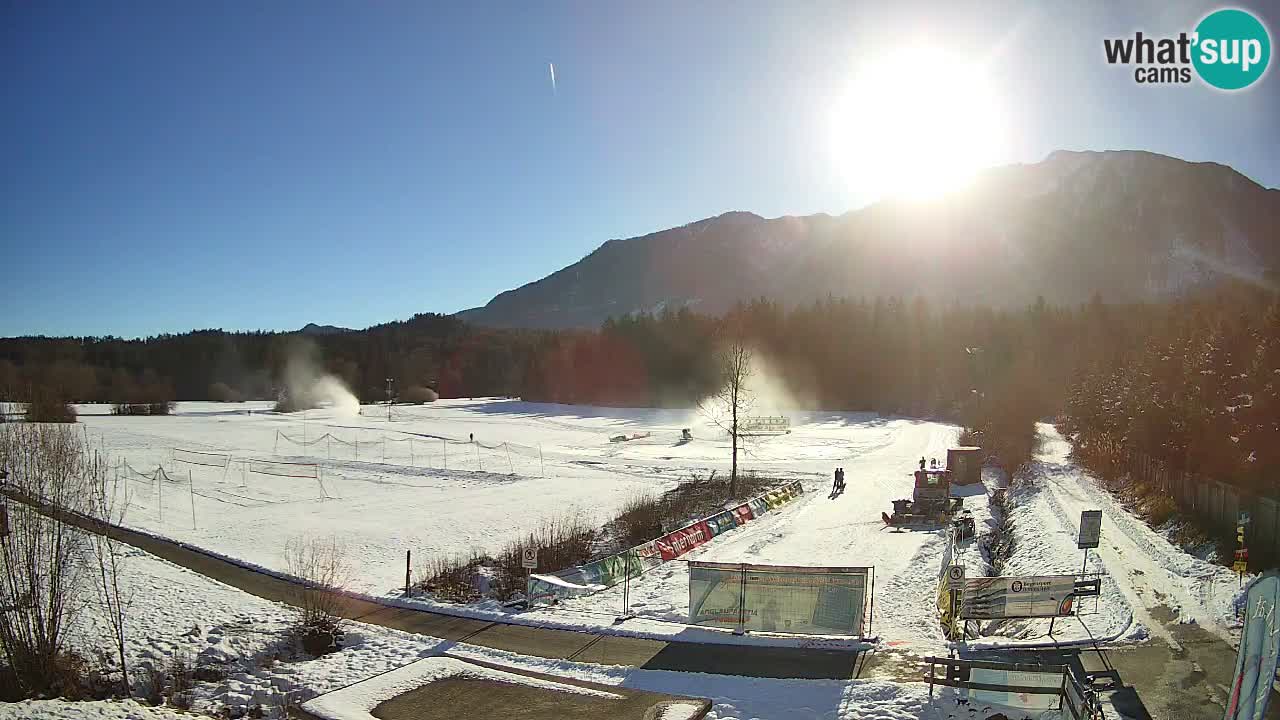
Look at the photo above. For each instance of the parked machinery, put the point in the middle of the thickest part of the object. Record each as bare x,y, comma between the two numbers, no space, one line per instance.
931,502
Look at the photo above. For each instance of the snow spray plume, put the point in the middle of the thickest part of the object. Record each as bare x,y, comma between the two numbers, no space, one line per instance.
766,392
308,386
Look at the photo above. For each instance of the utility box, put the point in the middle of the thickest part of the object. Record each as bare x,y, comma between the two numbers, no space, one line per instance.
965,464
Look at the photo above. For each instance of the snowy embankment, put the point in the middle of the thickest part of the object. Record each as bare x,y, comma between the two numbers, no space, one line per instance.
174,611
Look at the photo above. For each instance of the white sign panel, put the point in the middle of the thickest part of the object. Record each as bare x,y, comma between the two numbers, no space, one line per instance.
1090,529
1022,701
1018,597
529,558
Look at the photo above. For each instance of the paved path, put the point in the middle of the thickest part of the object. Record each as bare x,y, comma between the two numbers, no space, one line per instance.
577,646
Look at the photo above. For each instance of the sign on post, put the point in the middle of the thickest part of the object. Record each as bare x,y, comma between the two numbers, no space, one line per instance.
529,558
992,598
955,574
1090,529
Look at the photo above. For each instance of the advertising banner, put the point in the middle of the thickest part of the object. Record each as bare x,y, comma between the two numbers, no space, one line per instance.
721,522
1259,648
546,589
715,594
990,598
678,542
648,554
610,571
774,499
778,598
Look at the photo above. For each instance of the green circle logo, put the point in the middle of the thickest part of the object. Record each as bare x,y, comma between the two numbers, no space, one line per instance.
1232,49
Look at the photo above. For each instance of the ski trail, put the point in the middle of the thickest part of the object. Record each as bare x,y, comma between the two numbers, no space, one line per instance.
1150,571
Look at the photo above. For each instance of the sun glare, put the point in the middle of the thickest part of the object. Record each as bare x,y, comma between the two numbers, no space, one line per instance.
916,123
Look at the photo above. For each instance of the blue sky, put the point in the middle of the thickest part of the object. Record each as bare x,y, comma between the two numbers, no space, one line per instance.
169,166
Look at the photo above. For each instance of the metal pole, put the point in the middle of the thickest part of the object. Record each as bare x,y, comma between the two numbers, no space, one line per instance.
406,572
1084,564
411,461
192,487
384,447
742,600
507,447
446,452
328,445
479,462
540,462
626,589
160,491
872,619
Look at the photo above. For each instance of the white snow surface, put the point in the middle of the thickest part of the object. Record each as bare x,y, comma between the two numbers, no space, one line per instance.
381,505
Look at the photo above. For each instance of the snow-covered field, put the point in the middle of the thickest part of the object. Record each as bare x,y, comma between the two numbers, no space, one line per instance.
402,485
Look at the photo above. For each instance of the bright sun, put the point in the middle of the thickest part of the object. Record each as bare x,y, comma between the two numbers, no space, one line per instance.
916,123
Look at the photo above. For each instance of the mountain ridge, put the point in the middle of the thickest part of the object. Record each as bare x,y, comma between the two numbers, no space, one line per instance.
1130,225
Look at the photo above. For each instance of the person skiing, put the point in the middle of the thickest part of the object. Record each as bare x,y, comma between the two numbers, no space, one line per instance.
835,482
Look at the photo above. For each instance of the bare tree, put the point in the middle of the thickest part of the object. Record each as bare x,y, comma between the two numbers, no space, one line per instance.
107,559
43,579
733,400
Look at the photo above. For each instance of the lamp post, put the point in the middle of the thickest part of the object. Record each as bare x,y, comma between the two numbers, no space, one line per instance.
389,383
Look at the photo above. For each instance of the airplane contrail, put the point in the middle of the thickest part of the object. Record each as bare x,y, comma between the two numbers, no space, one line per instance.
552,68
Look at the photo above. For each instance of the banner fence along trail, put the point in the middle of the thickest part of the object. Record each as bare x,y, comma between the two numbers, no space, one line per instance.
546,589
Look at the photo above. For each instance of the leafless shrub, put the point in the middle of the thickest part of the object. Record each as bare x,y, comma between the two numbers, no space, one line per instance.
44,586
455,578
181,680
45,406
639,520
560,542
322,563
152,681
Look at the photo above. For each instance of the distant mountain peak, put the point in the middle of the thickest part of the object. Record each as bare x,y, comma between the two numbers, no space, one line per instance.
1131,225
314,329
